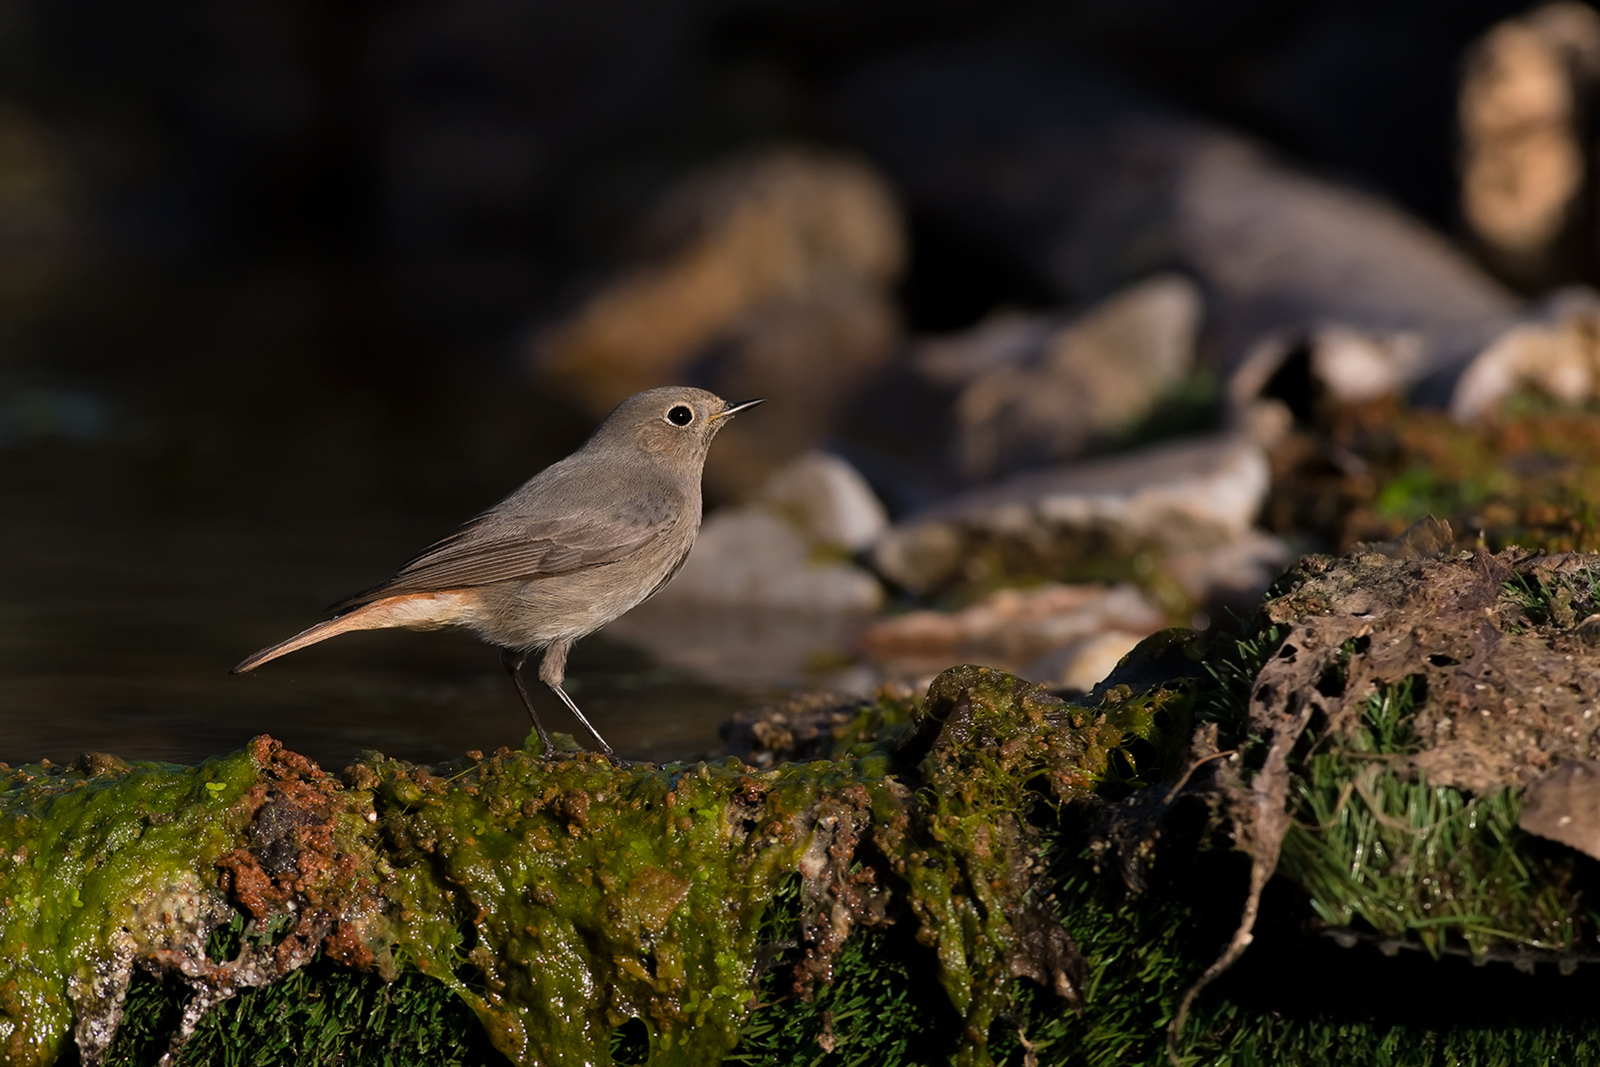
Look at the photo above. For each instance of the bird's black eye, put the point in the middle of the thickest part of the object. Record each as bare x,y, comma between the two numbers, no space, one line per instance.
682,415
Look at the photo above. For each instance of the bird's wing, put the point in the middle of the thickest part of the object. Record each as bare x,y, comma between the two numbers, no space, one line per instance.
496,548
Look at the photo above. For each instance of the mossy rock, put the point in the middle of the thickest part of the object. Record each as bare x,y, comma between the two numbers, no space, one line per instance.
569,904
988,873
1526,476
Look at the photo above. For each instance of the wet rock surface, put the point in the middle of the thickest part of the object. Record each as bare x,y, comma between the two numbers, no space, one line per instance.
560,900
1402,693
160,858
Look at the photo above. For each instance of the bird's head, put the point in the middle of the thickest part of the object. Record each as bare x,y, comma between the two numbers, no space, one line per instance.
676,422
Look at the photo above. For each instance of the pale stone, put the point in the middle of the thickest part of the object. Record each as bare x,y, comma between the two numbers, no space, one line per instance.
1178,496
828,500
1038,389
1083,664
751,557
1011,628
1559,355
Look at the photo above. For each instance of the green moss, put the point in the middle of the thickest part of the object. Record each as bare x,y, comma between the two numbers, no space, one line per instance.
87,852
907,901
579,911
1528,477
564,900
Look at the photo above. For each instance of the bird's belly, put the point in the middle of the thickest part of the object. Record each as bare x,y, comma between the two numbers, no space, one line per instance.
534,613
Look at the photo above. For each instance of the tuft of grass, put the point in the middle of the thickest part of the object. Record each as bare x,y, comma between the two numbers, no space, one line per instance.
1554,600
1375,842
881,1010
1231,673
322,1015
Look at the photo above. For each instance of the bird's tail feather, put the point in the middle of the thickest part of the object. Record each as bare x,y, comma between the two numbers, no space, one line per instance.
320,632
420,611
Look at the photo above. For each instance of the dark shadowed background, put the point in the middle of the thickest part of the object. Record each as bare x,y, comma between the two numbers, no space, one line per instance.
271,274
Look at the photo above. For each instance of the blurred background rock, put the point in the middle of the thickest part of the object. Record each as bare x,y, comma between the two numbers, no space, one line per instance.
1097,297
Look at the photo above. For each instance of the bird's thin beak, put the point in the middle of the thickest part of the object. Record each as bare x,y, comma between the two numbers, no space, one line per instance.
734,409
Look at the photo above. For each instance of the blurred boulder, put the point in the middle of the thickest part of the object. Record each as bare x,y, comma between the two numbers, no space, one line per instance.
774,279
1557,353
752,557
1349,365
768,598
1093,186
1190,495
1524,144
786,550
1036,390
827,500
1553,348
809,356
1068,629
1231,575
1082,664
749,648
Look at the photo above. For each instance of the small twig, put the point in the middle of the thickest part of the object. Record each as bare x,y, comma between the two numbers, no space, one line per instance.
1270,790
1196,765
1344,798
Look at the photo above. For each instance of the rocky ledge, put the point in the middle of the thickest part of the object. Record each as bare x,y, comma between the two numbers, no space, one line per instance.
1399,750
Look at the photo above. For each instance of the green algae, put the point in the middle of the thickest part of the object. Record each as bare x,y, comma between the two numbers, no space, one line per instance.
937,889
563,901
569,904
90,855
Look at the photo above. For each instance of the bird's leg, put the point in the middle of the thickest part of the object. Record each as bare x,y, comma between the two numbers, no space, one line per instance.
512,661
572,707
552,670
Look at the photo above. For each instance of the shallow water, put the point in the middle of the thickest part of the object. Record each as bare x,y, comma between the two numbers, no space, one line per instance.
116,634
138,564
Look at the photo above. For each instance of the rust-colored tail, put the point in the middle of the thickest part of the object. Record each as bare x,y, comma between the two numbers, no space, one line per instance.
421,611
320,632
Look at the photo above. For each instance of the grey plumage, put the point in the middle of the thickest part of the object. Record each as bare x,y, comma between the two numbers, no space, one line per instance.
583,541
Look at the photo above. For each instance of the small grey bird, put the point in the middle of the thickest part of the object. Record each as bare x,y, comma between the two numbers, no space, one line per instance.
582,542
